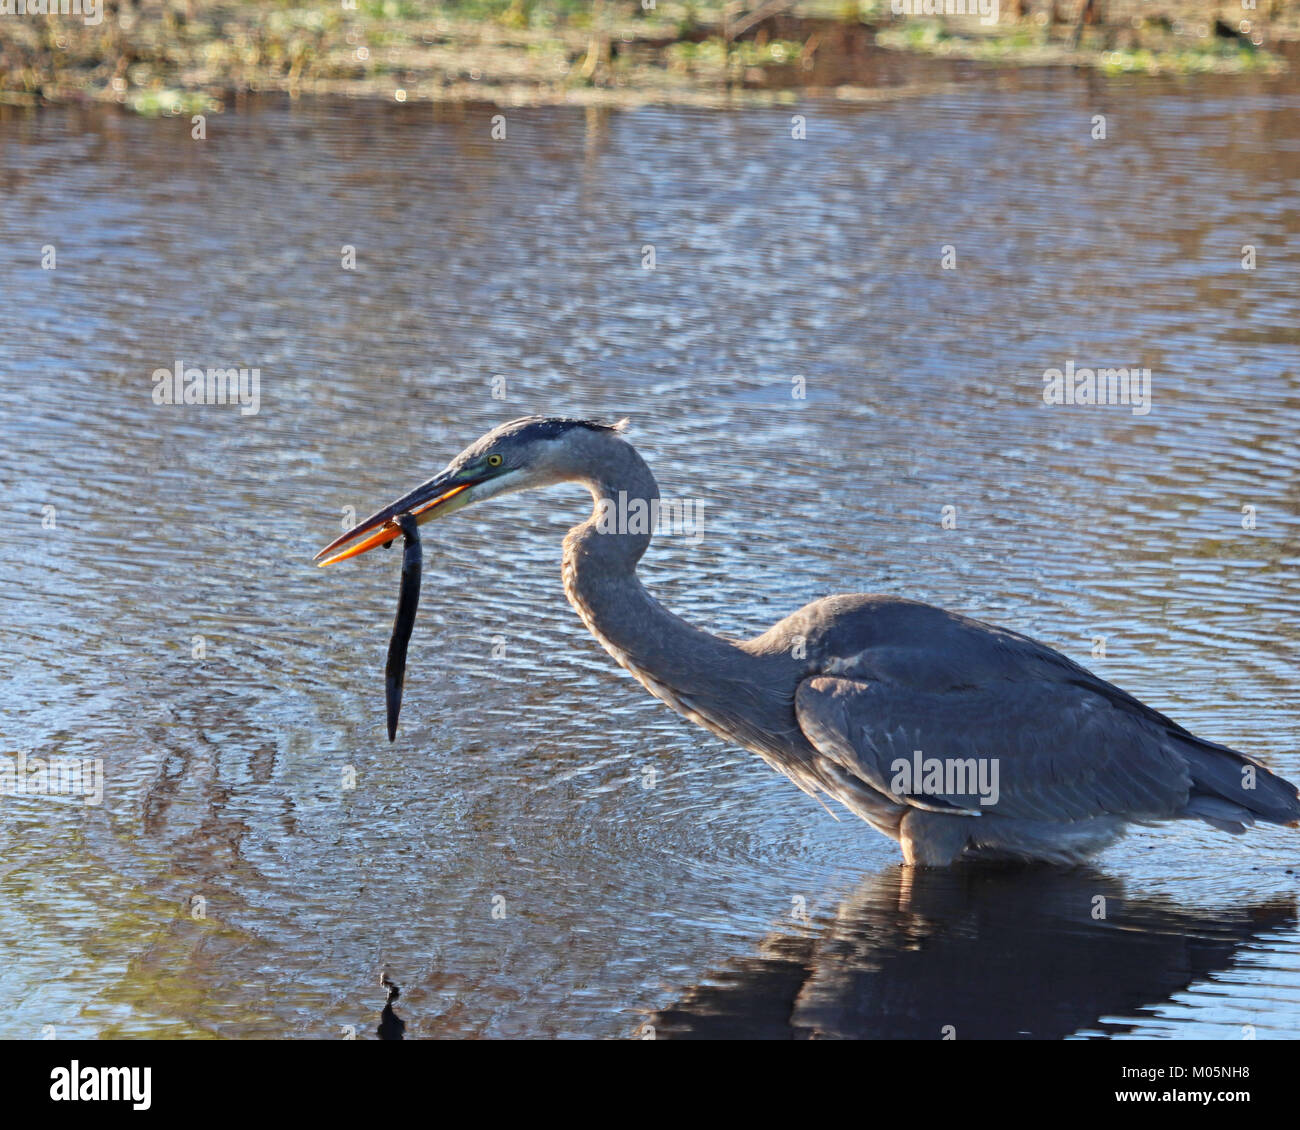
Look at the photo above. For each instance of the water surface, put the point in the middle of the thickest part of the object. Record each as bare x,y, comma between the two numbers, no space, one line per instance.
547,851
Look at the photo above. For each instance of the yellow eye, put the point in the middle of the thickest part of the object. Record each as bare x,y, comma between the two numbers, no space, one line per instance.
494,461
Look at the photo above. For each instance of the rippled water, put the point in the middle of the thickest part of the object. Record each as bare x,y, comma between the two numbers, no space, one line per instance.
546,850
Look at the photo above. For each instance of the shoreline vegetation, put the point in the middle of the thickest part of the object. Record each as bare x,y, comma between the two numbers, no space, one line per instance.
194,56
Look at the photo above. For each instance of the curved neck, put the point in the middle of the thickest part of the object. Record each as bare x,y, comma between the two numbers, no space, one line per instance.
600,559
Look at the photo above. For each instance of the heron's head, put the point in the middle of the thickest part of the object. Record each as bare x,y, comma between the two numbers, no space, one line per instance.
534,451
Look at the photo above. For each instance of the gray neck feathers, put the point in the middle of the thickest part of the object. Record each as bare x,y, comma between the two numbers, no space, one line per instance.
600,559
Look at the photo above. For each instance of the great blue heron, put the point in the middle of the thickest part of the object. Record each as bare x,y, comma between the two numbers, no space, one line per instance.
955,738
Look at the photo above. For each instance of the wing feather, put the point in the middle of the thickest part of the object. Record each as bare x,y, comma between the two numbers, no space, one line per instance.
1059,750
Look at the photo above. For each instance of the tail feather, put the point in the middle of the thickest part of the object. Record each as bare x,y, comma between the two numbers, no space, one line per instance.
1224,815
1228,787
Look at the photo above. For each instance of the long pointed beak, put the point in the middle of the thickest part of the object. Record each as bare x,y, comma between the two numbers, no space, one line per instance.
422,503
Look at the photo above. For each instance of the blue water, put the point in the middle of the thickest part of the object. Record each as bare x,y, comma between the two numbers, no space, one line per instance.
546,850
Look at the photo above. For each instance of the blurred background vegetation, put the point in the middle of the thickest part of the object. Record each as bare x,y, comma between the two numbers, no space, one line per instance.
178,56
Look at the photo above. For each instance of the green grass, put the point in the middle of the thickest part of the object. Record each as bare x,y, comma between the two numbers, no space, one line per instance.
428,46
1027,44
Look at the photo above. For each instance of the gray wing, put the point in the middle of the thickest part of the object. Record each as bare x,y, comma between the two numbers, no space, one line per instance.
1061,751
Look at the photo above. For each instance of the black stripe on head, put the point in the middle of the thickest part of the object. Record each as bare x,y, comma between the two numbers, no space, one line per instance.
552,427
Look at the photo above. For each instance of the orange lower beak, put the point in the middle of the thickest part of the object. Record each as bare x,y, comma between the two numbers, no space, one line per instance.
385,531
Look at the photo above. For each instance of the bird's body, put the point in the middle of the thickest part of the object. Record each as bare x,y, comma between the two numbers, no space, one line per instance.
957,739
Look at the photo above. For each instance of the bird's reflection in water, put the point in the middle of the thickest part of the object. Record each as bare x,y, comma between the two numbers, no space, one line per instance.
391,1026
971,954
